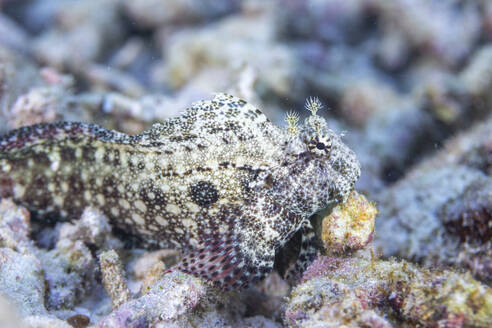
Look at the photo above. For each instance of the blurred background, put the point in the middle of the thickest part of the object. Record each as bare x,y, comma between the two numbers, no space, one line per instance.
407,82
399,77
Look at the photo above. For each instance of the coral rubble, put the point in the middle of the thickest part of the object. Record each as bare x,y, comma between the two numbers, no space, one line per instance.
440,213
364,292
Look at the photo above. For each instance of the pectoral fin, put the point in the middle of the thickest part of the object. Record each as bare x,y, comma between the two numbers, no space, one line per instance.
221,260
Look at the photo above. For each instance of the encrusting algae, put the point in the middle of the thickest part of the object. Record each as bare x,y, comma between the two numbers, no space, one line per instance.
368,292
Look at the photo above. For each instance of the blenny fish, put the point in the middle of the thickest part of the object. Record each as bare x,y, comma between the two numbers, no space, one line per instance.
220,182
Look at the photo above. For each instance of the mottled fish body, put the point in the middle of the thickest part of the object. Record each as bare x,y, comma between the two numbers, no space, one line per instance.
220,182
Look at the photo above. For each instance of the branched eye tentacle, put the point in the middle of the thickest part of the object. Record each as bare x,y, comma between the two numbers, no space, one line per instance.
313,104
292,119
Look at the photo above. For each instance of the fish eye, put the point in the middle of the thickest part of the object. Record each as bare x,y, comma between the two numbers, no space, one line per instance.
320,145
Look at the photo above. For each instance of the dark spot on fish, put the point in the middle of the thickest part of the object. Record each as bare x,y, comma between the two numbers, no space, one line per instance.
88,153
67,154
203,193
116,160
75,184
110,188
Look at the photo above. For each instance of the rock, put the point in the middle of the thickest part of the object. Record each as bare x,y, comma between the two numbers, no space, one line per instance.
181,300
362,100
155,13
389,143
112,278
17,75
8,315
267,298
228,45
167,300
37,106
13,35
151,266
477,75
69,273
327,21
358,291
440,212
349,226
22,282
93,229
79,34
45,322
322,302
434,28
15,226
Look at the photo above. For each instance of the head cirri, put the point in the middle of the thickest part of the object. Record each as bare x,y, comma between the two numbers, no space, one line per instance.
330,168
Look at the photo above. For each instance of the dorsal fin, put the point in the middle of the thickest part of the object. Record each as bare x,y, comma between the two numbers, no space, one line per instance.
55,132
223,116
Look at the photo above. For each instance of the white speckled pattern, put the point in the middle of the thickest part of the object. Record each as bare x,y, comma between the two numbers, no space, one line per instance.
220,181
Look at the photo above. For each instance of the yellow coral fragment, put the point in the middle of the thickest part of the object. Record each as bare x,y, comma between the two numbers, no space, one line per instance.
350,225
